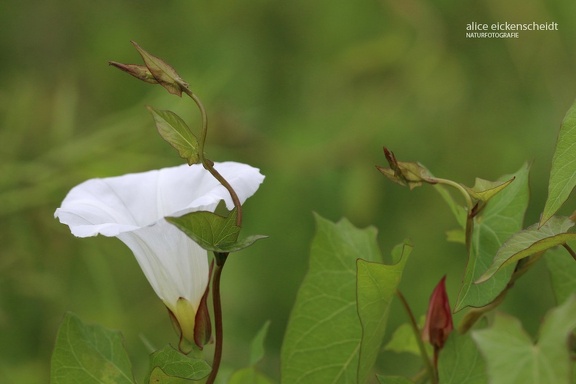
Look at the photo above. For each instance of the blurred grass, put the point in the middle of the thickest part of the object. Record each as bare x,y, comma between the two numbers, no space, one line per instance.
308,92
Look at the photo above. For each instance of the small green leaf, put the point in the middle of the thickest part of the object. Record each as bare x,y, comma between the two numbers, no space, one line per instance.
250,375
497,222
164,74
511,356
209,230
89,354
376,286
484,190
324,334
213,232
563,172
562,270
175,131
529,242
404,341
257,345
460,361
168,366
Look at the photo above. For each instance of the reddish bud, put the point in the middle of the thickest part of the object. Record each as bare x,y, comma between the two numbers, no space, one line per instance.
439,317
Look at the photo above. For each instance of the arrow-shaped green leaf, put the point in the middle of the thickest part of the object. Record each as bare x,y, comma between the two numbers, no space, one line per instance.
531,241
497,222
213,232
324,334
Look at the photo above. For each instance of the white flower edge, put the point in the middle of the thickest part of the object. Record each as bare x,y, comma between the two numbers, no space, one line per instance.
132,207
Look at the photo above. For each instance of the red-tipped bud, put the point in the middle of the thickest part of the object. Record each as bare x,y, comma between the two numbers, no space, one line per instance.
439,317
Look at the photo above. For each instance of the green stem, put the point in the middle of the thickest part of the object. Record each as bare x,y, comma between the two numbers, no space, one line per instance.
208,164
570,250
429,367
218,329
460,188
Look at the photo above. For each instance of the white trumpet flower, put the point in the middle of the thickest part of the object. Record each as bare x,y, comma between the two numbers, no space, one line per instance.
133,207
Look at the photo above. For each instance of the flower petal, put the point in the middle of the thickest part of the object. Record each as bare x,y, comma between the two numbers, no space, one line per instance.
115,205
174,265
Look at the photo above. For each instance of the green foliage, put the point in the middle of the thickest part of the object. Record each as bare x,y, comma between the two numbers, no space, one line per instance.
213,232
456,104
563,173
531,241
376,286
169,366
512,357
250,374
175,131
502,217
89,354
460,361
484,190
404,340
562,270
325,340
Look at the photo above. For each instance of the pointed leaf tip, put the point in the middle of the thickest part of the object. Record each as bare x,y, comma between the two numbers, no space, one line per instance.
563,173
484,190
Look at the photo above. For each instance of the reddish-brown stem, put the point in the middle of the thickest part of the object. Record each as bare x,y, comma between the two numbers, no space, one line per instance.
570,250
217,321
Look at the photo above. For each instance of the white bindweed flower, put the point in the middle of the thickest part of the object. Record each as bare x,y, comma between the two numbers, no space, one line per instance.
133,207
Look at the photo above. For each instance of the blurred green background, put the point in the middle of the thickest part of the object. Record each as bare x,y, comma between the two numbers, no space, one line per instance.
309,92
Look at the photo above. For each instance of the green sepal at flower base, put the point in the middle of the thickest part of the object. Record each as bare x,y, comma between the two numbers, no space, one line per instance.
177,133
213,232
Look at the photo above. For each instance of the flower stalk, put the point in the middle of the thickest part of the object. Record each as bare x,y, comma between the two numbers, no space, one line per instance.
174,130
207,163
430,369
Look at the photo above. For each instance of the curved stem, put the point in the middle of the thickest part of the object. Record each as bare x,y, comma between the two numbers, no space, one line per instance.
429,367
460,188
218,329
208,164
204,116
